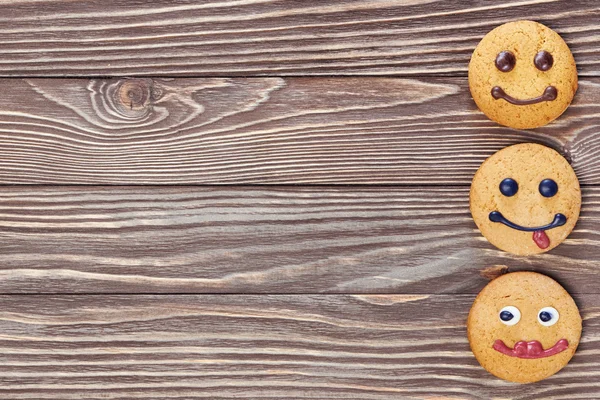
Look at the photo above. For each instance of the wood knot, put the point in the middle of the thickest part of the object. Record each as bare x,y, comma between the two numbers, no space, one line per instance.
133,99
494,271
134,94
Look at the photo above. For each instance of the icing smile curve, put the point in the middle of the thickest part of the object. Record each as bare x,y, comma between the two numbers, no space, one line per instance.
529,350
559,220
550,94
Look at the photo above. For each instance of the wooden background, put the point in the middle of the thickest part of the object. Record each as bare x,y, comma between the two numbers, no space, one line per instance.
259,199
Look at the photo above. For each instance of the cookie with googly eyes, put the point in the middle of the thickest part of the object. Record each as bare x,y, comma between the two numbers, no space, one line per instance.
522,75
524,327
525,199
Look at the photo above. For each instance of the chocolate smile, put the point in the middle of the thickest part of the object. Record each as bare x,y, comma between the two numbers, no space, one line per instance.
532,349
539,233
559,220
549,94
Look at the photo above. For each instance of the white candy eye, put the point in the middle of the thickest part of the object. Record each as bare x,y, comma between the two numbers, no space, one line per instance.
548,316
510,315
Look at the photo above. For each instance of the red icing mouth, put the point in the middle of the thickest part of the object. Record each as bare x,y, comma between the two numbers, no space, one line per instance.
532,349
541,239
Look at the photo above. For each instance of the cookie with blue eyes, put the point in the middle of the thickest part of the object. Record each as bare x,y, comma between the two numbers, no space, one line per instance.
525,199
522,75
523,327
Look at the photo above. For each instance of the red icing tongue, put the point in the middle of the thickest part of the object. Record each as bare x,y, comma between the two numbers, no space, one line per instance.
541,239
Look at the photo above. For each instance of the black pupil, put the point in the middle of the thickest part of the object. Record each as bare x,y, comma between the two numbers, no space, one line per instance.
505,61
507,316
548,188
545,316
509,187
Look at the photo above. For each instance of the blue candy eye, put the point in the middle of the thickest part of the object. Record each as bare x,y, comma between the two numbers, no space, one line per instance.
509,187
548,188
548,316
509,315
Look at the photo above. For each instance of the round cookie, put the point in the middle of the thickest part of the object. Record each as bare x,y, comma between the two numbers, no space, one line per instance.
523,327
525,199
522,75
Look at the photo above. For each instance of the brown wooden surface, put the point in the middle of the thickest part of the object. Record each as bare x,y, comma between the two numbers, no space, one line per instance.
265,240
135,264
266,131
267,37
262,347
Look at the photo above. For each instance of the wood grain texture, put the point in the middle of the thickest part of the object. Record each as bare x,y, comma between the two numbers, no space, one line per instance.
266,131
268,37
410,256
262,347
260,240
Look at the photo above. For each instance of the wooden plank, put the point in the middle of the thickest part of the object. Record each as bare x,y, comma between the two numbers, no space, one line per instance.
266,130
265,240
261,347
265,37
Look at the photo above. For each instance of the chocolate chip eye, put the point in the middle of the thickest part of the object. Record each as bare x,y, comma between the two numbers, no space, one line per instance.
543,60
548,316
509,187
510,315
505,61
548,188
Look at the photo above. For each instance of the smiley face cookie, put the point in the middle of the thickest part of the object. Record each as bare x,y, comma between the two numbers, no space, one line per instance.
523,327
525,199
522,75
